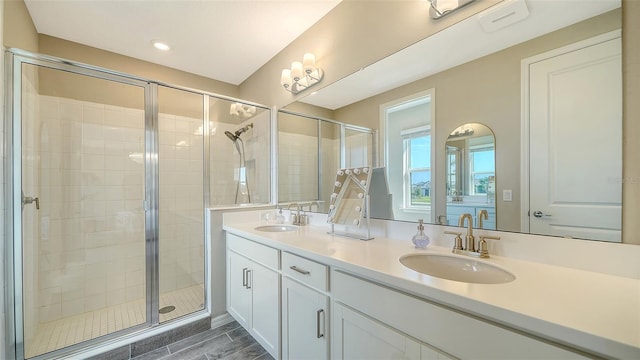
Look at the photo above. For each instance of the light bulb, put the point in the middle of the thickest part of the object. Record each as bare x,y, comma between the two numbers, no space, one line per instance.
285,79
309,63
296,71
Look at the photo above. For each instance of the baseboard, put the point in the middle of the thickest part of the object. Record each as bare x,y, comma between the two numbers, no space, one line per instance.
221,320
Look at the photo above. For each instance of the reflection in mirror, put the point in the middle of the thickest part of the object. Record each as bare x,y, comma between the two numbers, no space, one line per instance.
408,144
471,170
491,90
311,150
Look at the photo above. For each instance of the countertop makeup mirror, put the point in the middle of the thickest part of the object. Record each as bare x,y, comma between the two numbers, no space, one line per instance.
471,175
489,90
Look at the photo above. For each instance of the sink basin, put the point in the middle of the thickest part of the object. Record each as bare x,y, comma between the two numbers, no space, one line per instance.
276,228
457,268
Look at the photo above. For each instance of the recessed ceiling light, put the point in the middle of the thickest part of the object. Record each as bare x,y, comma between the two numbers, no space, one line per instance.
160,45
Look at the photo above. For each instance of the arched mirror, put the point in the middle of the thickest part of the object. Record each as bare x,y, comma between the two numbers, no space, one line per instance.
471,175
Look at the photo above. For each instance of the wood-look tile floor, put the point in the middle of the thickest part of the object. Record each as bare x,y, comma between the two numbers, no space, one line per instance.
228,342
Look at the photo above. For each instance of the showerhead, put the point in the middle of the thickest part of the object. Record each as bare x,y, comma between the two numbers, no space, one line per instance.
235,136
231,136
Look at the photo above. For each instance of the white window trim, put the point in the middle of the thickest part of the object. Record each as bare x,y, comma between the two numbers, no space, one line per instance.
383,156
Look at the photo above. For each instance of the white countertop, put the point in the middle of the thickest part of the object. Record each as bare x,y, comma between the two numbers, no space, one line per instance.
595,312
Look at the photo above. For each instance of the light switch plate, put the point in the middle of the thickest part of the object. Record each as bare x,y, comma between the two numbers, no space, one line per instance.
507,195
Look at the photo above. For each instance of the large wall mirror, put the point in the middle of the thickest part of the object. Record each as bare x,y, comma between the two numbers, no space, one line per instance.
471,175
496,88
310,151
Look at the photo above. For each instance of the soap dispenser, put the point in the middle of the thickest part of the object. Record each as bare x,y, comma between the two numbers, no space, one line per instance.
280,217
420,240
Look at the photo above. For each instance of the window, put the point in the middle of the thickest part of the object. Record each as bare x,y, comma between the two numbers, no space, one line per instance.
417,166
482,173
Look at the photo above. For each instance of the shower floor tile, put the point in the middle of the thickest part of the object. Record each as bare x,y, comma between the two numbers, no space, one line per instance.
71,330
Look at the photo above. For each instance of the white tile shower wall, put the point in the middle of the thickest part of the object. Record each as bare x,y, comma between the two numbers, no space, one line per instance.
181,202
298,167
225,161
92,223
358,150
330,165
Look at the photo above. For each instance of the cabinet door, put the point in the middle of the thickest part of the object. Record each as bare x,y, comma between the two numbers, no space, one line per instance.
356,336
304,322
238,294
265,318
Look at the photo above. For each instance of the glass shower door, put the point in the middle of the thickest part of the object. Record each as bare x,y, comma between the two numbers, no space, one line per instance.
83,221
181,135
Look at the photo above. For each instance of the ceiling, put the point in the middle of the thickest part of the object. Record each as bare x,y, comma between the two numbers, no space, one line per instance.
226,40
456,45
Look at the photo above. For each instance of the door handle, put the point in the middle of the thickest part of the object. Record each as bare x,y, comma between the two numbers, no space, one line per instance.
26,200
244,277
540,214
248,286
319,316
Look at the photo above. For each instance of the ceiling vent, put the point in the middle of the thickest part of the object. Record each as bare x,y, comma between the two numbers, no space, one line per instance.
503,15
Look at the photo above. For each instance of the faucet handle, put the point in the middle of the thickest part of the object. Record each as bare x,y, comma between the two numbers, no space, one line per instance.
484,251
458,240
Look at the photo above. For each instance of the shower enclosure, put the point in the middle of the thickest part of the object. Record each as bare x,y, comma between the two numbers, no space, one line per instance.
108,185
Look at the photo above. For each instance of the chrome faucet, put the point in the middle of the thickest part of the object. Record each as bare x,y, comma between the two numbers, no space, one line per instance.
481,214
470,241
469,249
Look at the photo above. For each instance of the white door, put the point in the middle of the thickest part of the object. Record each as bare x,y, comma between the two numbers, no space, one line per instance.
576,146
304,322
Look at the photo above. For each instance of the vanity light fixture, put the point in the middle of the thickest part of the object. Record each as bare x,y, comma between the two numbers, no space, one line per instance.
461,131
161,45
301,75
242,111
440,8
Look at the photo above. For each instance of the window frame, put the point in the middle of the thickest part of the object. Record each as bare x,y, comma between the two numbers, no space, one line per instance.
408,135
471,179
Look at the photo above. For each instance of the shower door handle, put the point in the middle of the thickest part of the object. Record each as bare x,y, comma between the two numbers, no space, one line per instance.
26,200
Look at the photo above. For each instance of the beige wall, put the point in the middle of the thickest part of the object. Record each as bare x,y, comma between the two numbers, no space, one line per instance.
19,31
353,35
486,90
631,120
85,54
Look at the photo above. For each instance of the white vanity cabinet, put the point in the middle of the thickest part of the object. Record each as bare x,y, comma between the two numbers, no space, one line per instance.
253,287
357,336
305,309
409,327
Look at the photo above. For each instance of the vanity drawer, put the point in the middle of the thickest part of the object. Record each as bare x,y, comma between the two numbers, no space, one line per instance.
262,254
309,272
